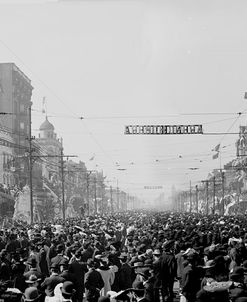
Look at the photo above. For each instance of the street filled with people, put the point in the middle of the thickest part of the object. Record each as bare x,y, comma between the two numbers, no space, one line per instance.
128,256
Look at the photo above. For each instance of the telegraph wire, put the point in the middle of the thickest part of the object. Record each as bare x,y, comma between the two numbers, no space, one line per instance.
58,98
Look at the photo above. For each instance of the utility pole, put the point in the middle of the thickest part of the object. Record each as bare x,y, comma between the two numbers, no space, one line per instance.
95,195
111,201
223,191
62,176
181,202
102,193
214,187
190,198
117,196
30,151
185,201
88,180
196,198
206,184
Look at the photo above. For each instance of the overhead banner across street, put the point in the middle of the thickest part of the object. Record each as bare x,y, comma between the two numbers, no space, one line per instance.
162,129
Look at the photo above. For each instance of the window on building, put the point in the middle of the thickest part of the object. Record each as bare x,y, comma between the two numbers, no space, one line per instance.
22,108
22,126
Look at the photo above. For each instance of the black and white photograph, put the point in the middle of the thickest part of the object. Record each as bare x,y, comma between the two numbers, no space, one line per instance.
123,150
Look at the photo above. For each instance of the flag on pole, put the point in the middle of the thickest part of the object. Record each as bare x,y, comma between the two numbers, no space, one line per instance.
216,148
216,155
92,158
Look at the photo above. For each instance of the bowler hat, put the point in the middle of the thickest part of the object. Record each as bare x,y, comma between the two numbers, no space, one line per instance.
32,279
31,294
68,288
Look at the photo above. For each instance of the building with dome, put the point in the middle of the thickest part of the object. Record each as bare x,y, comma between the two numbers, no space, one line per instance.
49,145
46,172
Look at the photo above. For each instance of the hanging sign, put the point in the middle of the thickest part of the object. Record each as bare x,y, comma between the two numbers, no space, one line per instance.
153,187
162,129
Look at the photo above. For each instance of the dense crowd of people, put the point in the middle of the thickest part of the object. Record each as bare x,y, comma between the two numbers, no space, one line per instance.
10,190
131,256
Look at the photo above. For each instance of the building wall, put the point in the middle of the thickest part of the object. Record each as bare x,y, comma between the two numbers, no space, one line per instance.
50,166
15,98
6,159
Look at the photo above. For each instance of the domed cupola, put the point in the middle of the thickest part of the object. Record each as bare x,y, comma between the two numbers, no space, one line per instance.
46,125
47,129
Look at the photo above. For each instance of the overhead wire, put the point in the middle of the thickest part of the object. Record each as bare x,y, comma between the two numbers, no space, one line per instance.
58,98
136,116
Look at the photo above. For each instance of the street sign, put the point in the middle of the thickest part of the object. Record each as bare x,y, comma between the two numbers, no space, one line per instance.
162,129
153,187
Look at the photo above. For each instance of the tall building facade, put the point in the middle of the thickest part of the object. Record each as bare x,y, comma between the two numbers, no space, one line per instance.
6,160
46,172
51,146
15,100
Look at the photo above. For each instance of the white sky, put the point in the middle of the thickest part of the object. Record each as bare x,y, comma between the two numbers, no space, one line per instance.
109,60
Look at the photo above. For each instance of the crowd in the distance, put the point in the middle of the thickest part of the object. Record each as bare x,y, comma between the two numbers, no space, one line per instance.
131,256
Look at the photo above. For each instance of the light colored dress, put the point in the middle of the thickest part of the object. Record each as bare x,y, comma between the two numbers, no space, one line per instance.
108,277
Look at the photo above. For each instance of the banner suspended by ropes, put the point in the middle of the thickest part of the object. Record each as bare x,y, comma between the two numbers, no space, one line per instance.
153,187
162,129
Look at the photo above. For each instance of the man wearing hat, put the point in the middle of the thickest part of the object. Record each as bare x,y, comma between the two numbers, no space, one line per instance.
42,258
68,290
93,282
50,283
13,244
125,273
5,266
32,263
33,281
78,268
64,269
157,275
139,290
138,268
168,265
60,255
190,282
